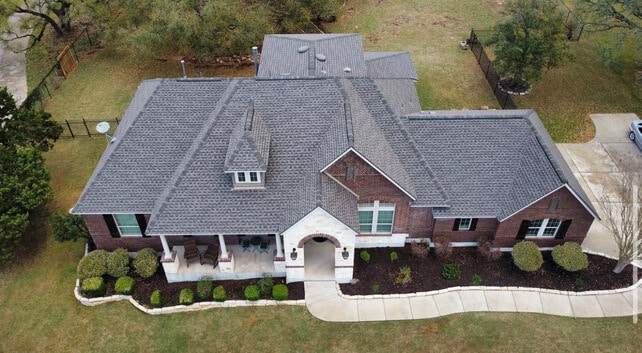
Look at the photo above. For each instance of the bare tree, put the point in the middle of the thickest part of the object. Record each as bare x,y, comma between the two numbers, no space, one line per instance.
624,217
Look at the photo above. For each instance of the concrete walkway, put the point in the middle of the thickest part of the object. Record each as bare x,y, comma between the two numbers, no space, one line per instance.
596,164
13,73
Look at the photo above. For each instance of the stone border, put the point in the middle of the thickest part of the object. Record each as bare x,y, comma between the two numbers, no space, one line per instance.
493,289
180,308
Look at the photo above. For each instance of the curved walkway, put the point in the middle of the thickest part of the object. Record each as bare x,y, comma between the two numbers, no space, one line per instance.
13,70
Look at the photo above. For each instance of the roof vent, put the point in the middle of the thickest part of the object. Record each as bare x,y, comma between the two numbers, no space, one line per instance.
320,57
347,70
303,49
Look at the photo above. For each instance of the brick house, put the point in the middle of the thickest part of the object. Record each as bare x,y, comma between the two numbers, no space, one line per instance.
326,145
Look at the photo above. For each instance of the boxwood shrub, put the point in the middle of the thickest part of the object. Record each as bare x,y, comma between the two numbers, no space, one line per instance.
93,264
527,257
93,287
118,263
146,262
186,297
252,292
156,299
125,285
280,292
570,257
364,255
204,288
451,271
220,295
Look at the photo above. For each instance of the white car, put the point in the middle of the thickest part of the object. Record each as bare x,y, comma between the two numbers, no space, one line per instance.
636,133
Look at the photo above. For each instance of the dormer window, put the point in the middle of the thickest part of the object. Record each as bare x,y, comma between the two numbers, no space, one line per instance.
248,177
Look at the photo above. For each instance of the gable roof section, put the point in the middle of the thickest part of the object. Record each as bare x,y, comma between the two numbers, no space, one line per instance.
491,163
249,145
156,131
312,55
390,65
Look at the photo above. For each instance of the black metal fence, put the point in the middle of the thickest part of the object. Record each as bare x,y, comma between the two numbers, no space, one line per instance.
53,79
85,128
491,74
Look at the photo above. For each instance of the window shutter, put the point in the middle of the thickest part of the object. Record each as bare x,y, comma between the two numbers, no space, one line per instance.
523,228
111,225
142,223
456,224
561,231
473,224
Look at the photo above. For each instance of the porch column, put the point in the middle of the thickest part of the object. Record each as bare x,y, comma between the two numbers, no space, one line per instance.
167,254
223,247
279,246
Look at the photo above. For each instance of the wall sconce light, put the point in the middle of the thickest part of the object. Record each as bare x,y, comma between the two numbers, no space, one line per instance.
345,254
293,254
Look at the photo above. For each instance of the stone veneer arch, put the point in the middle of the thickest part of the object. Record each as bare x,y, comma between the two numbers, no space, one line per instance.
335,241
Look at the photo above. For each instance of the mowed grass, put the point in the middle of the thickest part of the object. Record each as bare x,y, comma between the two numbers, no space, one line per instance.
40,314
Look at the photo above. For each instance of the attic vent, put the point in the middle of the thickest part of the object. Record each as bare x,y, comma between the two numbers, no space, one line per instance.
347,70
320,57
303,49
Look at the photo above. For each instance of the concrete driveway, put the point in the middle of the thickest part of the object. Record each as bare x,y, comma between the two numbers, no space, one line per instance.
598,164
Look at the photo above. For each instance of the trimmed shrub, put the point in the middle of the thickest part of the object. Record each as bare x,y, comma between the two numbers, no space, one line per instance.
186,297
477,279
375,289
280,292
252,292
93,287
451,271
443,247
125,285
204,288
156,299
364,255
93,264
404,277
265,285
421,249
527,257
487,250
570,257
146,262
394,256
220,295
118,263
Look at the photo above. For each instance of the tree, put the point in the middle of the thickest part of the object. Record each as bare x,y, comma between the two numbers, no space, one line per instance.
34,18
531,38
24,179
68,227
604,15
624,217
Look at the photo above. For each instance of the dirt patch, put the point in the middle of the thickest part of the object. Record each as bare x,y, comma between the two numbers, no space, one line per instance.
170,291
379,274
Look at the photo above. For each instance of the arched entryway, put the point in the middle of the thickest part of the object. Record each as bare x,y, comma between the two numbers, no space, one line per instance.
319,259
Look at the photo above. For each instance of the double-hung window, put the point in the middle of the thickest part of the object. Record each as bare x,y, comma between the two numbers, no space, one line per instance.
127,225
376,217
247,177
543,228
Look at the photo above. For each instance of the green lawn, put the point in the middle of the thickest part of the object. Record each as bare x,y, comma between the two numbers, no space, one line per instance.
40,314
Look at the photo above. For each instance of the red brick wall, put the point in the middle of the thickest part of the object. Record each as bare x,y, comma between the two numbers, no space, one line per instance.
103,239
421,223
568,207
370,185
444,227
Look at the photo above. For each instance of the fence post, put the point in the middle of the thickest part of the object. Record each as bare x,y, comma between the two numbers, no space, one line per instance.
86,128
70,130
88,37
117,121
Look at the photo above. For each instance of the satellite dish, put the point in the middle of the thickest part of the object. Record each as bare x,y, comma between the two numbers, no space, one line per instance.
320,57
102,127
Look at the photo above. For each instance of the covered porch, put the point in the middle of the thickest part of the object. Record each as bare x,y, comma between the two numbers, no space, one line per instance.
234,262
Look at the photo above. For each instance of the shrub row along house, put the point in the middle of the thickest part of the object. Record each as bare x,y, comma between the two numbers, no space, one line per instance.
324,151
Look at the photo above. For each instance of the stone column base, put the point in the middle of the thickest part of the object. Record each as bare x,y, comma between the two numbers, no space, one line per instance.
171,264
226,264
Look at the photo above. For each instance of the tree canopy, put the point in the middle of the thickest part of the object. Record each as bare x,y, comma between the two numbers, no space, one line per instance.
530,39
24,179
604,15
35,17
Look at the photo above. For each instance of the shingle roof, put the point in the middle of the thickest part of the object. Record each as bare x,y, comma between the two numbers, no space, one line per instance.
491,163
390,65
249,145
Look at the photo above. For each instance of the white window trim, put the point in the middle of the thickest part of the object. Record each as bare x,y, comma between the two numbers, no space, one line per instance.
375,208
118,226
467,227
542,229
247,178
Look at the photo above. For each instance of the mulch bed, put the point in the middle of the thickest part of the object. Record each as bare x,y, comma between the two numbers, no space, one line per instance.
427,273
170,291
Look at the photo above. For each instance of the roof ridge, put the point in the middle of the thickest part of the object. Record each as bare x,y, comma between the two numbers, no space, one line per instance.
198,141
347,110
